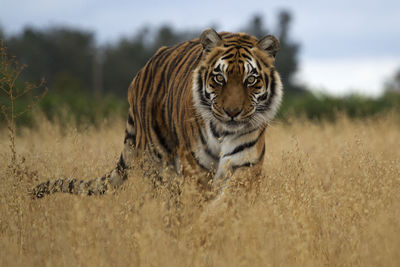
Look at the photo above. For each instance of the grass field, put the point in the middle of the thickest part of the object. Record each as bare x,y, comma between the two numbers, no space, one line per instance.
330,197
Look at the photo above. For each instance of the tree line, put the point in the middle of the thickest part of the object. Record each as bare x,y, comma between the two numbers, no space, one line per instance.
71,60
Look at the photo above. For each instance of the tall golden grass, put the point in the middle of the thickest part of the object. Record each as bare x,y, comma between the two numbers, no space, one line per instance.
330,197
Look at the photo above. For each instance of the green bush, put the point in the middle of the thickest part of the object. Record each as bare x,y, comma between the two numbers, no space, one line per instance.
82,107
317,107
71,106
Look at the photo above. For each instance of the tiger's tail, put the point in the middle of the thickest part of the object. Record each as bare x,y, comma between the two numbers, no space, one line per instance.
97,186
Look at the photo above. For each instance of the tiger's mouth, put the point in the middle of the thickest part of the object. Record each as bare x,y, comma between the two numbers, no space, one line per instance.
232,122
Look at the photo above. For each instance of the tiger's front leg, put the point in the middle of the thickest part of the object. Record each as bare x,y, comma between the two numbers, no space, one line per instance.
240,153
226,170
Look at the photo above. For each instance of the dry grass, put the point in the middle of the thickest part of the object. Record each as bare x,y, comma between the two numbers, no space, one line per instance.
330,197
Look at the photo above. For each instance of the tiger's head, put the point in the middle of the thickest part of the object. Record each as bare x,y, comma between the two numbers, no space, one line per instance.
236,85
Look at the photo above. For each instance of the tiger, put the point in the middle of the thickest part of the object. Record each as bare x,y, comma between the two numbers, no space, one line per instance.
201,106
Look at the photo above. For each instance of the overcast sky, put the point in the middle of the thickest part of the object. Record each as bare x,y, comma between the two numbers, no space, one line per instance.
346,46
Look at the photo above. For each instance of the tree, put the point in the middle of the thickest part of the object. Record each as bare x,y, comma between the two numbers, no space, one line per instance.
2,36
166,36
256,27
287,58
393,85
123,60
55,53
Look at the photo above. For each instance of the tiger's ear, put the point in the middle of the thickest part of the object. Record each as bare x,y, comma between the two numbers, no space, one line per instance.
269,44
210,39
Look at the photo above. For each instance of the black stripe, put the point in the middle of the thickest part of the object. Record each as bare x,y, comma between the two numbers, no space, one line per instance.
228,56
266,106
229,50
266,79
175,66
198,162
158,64
214,131
147,89
175,135
177,61
203,100
161,138
244,146
246,56
121,165
209,153
130,137
161,80
202,139
248,164
228,36
88,183
238,44
252,130
273,84
247,50
71,185
253,70
262,97
218,68
207,95
241,40
211,61
153,151
191,65
265,63
217,134
258,65
130,120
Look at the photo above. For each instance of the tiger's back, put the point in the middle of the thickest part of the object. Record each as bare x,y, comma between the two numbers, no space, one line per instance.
161,116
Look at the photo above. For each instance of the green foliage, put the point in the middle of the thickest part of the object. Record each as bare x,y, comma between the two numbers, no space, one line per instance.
53,51
393,85
72,106
82,108
122,61
320,107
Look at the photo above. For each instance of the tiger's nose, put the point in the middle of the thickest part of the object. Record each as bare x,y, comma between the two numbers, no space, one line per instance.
233,112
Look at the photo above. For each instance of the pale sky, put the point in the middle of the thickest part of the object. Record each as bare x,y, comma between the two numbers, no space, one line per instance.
346,46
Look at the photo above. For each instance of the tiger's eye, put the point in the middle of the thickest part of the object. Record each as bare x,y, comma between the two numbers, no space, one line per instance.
220,78
251,79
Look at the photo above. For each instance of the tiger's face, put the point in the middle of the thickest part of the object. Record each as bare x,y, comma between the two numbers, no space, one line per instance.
237,84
